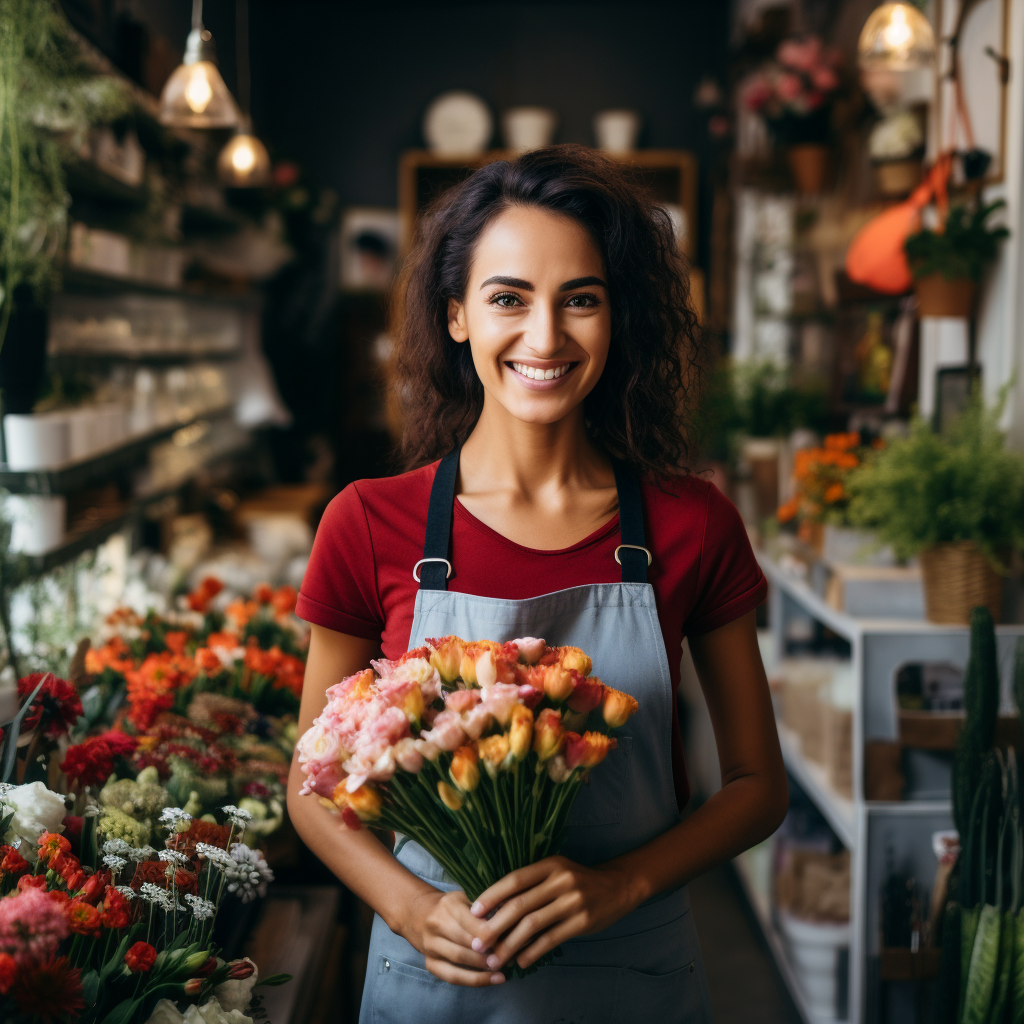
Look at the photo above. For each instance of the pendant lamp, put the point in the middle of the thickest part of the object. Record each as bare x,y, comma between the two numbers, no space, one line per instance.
244,161
195,95
896,37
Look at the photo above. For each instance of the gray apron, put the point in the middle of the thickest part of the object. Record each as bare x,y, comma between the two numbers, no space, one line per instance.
646,966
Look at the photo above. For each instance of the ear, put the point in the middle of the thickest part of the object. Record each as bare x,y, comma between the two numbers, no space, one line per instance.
457,321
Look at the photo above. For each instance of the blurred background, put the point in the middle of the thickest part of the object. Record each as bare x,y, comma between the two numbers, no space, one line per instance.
210,206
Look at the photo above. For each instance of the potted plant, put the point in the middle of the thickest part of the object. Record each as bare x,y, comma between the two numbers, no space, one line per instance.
794,95
896,146
955,499
947,262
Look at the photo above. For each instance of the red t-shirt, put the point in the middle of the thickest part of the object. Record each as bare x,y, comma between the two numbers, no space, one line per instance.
359,580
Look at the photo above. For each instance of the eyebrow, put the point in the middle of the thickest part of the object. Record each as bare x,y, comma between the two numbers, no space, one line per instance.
518,282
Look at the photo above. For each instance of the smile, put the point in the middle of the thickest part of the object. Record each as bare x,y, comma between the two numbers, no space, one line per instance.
540,374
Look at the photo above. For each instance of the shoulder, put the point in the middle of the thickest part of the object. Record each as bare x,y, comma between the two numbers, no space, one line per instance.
380,500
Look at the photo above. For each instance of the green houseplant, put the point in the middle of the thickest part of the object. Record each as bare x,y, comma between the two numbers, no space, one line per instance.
948,263
954,499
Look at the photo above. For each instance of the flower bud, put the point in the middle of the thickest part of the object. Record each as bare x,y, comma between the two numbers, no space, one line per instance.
208,966
449,797
547,734
587,693
195,963
616,707
446,657
192,986
530,649
558,684
464,771
493,751
365,802
239,969
520,732
412,704
574,658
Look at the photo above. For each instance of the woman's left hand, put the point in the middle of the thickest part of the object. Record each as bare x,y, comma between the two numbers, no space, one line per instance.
545,904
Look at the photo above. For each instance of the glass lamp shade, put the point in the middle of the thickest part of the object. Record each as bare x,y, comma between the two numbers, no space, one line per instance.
244,162
896,37
195,96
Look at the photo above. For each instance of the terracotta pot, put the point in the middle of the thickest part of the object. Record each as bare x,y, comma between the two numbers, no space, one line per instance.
958,578
898,177
809,164
942,296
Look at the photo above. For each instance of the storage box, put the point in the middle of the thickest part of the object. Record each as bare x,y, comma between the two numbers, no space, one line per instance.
838,747
875,592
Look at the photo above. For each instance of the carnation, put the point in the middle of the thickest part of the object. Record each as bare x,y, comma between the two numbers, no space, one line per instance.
56,707
31,926
89,763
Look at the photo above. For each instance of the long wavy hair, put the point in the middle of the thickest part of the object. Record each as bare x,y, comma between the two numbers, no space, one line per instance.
640,409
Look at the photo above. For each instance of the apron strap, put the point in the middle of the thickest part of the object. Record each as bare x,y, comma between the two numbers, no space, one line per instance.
435,568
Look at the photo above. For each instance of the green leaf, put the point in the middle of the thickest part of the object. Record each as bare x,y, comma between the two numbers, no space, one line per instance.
90,987
981,976
275,979
123,1012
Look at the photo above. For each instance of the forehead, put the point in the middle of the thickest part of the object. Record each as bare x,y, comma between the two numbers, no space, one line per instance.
529,242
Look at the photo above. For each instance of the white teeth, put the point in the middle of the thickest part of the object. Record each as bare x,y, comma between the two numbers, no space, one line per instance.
535,373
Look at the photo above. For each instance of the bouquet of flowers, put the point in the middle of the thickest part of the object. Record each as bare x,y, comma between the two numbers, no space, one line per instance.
475,750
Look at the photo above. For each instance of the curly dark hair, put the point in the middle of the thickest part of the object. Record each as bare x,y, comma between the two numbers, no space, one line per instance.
640,409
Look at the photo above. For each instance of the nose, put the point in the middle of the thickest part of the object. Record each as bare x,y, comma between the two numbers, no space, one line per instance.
544,336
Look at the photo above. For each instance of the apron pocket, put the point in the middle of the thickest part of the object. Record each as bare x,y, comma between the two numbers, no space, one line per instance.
600,800
674,998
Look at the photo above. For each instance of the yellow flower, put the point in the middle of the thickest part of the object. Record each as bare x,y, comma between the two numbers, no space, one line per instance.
617,707
573,657
446,657
520,732
464,771
547,734
366,801
494,749
412,704
449,797
558,683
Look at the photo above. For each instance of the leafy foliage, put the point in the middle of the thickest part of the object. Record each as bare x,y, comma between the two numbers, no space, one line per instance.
929,488
962,249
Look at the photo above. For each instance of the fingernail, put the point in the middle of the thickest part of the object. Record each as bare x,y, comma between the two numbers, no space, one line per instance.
478,945
477,908
497,979
493,962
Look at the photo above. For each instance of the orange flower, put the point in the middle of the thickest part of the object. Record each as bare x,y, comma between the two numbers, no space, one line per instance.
446,656
200,598
114,654
207,661
588,750
240,612
787,512
617,707
547,734
366,801
52,844
222,639
284,600
464,771
83,918
449,797
834,493
558,683
494,750
412,702
175,639
571,658
263,593
520,732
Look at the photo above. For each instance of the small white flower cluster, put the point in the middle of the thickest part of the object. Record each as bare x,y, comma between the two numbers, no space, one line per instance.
202,909
159,897
126,891
247,872
174,817
237,816
116,848
115,863
179,860
214,854
141,853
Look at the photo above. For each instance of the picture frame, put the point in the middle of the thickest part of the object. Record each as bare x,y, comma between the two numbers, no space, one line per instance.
369,248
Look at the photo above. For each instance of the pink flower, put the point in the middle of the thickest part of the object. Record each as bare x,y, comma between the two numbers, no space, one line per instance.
320,744
756,93
447,733
407,756
478,719
788,87
31,926
824,78
531,649
802,56
500,700
462,700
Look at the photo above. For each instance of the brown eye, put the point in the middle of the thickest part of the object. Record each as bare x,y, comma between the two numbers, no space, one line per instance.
506,300
584,300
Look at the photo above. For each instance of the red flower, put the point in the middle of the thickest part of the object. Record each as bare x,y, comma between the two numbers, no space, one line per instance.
59,896
83,919
175,639
117,911
8,972
200,598
208,662
90,762
52,844
94,886
13,863
140,958
73,829
264,593
208,968
50,990
31,882
57,705
587,693
120,743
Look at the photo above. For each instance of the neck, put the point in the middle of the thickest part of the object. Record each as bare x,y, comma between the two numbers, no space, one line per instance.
505,453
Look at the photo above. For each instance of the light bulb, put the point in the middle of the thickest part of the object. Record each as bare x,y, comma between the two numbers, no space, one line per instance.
244,162
896,37
243,158
198,92
897,34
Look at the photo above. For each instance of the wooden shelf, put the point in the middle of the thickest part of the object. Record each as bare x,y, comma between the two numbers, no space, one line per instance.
75,279
87,181
837,809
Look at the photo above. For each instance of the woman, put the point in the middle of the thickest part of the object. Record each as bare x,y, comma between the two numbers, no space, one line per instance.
546,348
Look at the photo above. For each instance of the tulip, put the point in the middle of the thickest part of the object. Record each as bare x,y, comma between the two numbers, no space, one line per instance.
449,797
558,769
464,771
547,734
530,649
586,694
520,732
574,658
446,657
617,707
588,750
412,704
365,801
407,756
494,749
558,684
239,969
193,986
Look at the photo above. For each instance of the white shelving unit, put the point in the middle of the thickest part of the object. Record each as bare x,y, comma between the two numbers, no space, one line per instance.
868,829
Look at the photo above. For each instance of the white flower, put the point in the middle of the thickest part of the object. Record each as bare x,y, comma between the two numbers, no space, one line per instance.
237,816
173,817
126,891
154,894
116,864
202,909
237,994
247,873
116,848
214,854
213,1013
174,857
36,810
165,1012
141,853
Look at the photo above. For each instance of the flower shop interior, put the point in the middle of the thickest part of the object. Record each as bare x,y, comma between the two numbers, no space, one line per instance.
203,208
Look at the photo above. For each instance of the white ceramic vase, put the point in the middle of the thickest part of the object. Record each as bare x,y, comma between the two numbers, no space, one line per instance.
37,522
36,440
616,131
814,954
527,128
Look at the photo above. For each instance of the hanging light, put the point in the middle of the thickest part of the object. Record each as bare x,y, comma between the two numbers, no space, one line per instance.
896,37
244,161
195,95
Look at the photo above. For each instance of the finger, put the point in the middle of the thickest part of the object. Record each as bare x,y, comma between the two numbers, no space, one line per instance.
513,910
513,882
462,927
441,948
550,939
527,929
462,976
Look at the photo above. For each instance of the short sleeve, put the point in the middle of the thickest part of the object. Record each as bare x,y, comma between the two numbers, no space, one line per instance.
339,588
730,582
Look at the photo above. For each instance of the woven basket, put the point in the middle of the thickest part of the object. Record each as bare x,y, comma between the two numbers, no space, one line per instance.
958,578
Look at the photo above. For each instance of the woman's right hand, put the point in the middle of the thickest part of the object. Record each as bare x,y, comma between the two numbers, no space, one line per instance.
441,927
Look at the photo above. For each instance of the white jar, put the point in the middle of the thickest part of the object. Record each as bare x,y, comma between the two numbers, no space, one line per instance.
617,130
83,431
37,522
36,440
527,128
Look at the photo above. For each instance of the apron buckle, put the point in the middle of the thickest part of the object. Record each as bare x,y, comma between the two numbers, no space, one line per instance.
448,575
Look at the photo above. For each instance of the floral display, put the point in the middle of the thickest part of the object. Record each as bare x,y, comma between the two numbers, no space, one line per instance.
96,929
476,750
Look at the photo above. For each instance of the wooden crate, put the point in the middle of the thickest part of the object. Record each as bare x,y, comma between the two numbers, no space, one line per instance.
837,729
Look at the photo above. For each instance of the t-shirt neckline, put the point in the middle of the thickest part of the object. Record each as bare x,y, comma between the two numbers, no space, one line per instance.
599,534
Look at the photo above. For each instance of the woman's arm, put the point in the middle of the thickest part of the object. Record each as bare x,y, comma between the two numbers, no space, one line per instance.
438,924
556,899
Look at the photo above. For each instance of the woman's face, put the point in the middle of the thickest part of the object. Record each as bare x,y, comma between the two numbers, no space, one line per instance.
535,313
